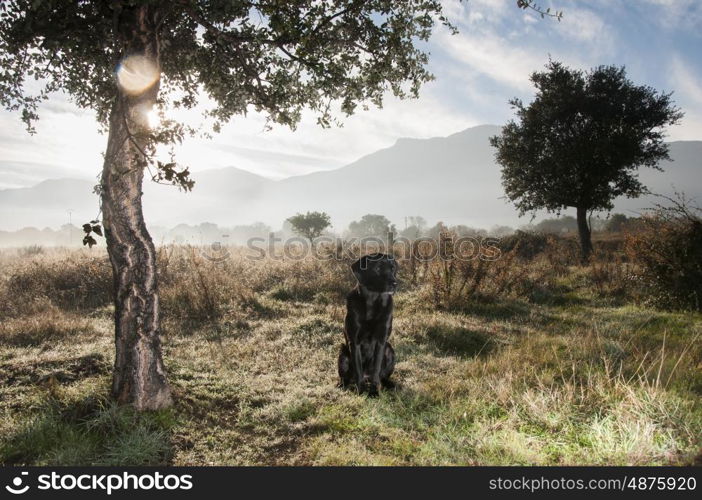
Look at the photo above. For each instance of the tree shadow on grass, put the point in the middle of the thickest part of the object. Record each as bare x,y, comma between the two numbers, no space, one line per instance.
460,342
72,428
506,310
512,310
62,371
440,339
89,431
210,401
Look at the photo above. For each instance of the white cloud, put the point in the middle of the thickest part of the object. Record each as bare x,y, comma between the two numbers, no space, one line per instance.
505,44
453,9
490,11
677,14
68,138
361,134
493,56
688,95
687,83
583,25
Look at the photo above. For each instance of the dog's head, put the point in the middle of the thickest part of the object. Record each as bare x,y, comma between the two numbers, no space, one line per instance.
377,272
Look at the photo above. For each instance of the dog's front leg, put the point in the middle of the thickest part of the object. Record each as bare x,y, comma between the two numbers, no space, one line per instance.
353,339
357,365
378,354
381,334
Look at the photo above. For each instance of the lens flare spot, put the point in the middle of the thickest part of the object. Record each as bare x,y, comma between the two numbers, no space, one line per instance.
135,74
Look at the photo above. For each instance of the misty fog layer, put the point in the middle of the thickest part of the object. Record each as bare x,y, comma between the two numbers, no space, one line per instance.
451,179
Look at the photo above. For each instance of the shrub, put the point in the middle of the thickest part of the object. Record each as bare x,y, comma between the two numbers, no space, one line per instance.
451,280
609,275
609,245
30,251
193,287
196,288
561,253
667,250
75,283
526,244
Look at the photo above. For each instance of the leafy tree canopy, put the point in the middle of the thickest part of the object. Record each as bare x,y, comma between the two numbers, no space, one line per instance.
563,224
274,56
581,140
617,223
414,225
310,225
370,225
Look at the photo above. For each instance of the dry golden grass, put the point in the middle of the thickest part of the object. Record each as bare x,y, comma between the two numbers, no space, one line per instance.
542,363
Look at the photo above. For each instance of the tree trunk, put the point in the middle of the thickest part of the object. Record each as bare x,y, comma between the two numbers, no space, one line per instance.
139,376
585,235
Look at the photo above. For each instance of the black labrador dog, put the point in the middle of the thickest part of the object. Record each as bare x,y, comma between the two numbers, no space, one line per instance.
367,359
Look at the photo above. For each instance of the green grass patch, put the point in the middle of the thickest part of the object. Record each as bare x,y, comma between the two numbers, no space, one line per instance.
90,431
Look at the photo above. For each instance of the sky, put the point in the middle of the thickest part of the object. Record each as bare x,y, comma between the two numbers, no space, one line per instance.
477,71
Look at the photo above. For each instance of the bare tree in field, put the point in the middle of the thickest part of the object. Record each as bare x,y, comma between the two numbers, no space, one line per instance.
123,58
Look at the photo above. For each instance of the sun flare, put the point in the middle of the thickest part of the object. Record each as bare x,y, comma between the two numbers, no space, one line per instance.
136,74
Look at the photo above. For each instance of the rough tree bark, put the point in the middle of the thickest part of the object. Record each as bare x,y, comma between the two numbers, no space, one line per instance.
585,235
139,375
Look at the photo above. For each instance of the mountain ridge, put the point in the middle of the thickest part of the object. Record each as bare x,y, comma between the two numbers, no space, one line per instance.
453,179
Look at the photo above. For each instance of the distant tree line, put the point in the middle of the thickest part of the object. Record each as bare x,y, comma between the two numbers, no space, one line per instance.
370,225
204,233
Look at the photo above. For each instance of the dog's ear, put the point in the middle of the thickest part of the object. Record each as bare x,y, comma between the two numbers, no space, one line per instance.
358,267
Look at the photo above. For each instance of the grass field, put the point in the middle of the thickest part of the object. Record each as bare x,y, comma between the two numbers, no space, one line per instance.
561,367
